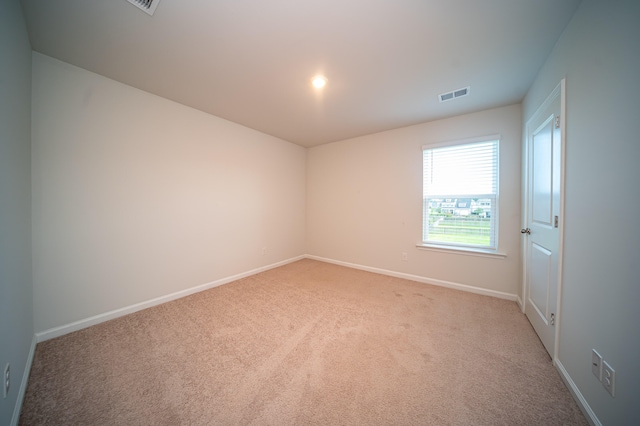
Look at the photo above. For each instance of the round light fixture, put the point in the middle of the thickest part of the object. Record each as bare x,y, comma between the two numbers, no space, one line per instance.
319,82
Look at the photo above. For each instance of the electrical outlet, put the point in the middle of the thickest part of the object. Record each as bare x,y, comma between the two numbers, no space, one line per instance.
609,378
404,256
264,251
7,380
596,364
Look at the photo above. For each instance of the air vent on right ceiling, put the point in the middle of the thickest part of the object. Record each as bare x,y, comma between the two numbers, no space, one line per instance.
148,6
454,94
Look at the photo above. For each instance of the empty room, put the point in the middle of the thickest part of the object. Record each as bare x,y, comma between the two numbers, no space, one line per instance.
413,212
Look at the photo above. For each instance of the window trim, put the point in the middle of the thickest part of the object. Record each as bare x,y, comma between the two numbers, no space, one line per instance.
487,138
466,249
469,251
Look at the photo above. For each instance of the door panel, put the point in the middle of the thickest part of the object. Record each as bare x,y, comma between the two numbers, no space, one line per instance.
542,208
541,171
540,284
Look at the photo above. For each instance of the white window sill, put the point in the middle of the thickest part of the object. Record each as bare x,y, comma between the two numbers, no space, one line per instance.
468,251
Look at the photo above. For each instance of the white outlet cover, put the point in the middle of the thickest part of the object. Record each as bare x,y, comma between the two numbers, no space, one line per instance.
609,378
596,364
6,380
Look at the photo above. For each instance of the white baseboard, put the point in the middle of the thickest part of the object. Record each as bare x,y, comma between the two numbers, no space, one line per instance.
97,319
79,325
23,384
520,303
577,395
418,278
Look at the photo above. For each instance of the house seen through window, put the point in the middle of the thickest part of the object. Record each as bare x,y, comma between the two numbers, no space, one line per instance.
460,194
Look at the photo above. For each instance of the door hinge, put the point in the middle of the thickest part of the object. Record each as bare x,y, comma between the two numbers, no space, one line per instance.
555,221
557,121
552,321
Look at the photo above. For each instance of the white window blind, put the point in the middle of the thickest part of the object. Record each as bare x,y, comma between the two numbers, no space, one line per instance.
460,194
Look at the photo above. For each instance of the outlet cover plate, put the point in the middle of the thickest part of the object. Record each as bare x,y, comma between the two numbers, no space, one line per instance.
596,364
6,376
609,378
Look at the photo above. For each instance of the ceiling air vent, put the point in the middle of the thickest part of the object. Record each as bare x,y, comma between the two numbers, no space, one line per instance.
455,94
148,6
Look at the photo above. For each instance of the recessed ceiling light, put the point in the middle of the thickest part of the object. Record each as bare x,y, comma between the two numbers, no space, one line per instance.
319,82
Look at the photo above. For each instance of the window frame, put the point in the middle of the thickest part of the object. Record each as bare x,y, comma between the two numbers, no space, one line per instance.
464,248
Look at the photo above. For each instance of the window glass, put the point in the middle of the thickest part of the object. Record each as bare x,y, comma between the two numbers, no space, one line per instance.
460,194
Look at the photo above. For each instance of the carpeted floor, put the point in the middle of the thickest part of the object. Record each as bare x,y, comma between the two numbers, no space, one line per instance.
306,343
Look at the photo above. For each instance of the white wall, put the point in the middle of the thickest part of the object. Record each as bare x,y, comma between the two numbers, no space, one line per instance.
364,201
600,57
16,305
137,197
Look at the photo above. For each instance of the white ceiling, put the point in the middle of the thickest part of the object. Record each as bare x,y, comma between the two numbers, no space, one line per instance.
251,62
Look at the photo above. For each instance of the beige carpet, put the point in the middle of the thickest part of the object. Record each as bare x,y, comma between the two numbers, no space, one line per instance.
306,343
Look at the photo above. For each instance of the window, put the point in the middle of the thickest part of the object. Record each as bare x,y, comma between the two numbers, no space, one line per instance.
460,194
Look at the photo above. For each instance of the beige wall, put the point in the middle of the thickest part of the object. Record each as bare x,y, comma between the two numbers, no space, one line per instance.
16,299
364,201
137,197
599,56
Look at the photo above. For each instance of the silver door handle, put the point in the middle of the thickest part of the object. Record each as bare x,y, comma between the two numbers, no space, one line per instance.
525,231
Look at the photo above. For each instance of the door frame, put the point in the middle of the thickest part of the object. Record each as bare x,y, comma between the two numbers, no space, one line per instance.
560,90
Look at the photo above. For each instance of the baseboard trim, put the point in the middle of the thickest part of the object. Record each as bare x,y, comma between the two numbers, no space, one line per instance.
23,384
577,395
97,319
421,279
520,304
116,313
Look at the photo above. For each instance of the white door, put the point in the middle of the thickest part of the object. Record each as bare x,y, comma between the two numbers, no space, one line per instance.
543,218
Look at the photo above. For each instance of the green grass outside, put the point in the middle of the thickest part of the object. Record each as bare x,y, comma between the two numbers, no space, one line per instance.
458,230
462,239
